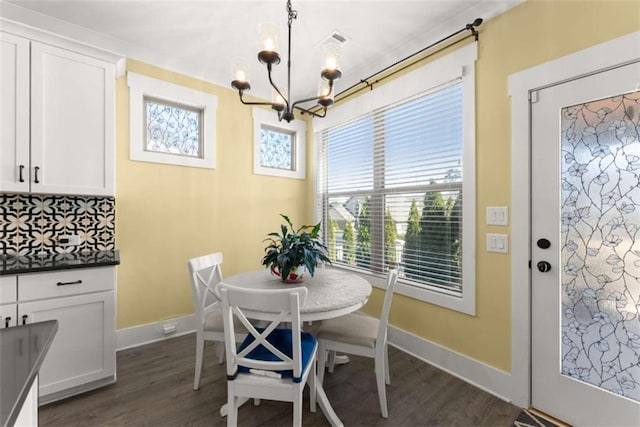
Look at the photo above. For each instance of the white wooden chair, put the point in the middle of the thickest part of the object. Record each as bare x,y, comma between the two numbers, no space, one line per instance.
205,272
271,363
362,336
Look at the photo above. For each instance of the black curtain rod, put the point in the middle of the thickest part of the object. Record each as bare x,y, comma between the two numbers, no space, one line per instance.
469,27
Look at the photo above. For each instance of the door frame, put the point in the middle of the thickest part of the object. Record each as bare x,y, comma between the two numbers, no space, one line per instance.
521,85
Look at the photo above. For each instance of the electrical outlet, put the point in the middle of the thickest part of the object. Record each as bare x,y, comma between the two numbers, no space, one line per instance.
68,240
168,328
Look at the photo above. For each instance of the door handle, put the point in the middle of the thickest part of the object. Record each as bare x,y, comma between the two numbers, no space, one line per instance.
543,266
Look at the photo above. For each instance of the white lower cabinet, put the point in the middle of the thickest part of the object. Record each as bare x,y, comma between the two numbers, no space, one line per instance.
82,354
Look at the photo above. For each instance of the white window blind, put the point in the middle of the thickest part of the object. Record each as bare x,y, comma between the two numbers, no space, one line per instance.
391,189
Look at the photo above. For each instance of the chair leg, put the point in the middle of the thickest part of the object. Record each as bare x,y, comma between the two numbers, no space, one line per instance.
312,388
322,362
220,352
297,410
332,360
387,376
380,380
232,406
199,359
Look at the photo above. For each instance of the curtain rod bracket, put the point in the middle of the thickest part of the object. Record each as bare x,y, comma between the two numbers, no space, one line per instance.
369,85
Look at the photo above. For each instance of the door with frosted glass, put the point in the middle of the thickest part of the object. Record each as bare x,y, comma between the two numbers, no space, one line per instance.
585,255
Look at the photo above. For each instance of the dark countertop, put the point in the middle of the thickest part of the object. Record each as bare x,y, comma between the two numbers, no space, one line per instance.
10,264
22,351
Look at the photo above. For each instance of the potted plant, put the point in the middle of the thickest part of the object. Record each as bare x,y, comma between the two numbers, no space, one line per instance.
290,252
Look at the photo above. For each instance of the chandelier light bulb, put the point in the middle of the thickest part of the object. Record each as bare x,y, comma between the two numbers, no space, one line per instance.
269,49
240,74
277,101
331,61
325,93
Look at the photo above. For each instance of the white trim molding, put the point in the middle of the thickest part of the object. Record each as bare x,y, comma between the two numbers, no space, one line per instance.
141,86
481,375
152,332
597,58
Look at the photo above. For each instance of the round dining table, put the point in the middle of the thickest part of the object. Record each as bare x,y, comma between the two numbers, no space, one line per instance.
331,292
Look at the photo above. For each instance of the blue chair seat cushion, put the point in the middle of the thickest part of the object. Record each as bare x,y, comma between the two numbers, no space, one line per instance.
282,340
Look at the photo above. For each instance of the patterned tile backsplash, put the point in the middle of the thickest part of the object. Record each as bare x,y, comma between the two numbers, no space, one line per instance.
30,224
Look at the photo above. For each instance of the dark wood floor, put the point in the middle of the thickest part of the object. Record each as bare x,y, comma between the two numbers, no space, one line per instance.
154,388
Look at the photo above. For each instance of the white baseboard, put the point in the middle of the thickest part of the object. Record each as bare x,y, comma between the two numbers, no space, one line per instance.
485,377
481,375
152,332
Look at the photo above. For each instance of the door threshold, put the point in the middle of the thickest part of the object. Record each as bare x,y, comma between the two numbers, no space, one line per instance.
548,417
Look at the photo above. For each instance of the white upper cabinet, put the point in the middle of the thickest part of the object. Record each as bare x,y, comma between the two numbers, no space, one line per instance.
68,120
14,113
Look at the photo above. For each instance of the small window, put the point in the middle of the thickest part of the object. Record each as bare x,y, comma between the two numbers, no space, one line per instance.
279,147
171,124
172,128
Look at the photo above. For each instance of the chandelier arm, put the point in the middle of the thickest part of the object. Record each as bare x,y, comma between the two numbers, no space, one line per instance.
273,85
302,101
312,113
240,92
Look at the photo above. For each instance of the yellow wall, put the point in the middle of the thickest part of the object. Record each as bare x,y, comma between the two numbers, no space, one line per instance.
529,34
167,214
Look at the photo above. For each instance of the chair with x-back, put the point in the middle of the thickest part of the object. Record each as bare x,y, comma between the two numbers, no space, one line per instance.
273,362
362,336
205,272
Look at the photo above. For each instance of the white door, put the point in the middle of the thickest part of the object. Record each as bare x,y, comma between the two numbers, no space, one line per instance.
585,230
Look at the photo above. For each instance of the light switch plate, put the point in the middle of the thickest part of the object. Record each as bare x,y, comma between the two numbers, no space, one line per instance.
497,215
497,243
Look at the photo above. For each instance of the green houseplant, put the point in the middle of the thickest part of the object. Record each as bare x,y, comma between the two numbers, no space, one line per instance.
290,249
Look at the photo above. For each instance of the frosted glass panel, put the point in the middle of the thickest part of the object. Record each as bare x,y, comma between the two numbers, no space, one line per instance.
172,129
276,149
600,229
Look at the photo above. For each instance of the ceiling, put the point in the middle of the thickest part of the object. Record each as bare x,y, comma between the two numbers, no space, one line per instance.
202,38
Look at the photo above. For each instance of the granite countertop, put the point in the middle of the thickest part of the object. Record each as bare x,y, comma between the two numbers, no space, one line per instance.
22,351
11,264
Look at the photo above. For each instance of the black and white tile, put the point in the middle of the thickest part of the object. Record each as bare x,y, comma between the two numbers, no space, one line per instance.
30,224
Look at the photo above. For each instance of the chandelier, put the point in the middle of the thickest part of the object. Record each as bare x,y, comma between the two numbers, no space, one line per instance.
270,56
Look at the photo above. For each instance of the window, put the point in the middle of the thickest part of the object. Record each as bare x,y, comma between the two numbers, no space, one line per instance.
279,147
173,129
171,124
396,183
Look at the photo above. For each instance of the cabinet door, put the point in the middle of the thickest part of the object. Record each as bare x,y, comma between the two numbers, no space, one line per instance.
14,113
83,350
72,122
8,315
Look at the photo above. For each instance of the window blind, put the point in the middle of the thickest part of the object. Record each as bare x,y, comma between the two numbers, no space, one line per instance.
391,189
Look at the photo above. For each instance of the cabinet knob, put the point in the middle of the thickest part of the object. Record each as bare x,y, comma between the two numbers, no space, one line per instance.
6,321
20,177
24,319
35,176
